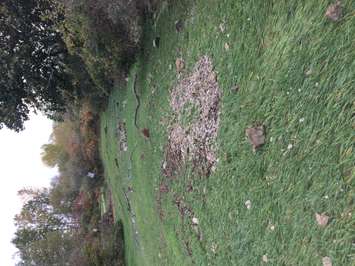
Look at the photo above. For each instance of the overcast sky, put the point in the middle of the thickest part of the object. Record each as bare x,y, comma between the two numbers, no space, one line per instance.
20,166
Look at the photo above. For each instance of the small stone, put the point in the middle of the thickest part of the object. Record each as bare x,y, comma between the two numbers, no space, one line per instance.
290,146
264,258
327,261
334,11
272,227
322,219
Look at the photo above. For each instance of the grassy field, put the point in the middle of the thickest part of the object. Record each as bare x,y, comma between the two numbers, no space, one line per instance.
296,74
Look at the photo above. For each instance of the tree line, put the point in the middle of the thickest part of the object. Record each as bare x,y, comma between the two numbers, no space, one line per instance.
63,58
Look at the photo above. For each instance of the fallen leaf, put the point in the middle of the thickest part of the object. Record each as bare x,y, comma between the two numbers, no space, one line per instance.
212,77
235,88
179,25
194,221
248,204
334,11
322,219
327,261
256,136
156,42
163,188
309,72
226,46
222,27
214,248
145,132
180,64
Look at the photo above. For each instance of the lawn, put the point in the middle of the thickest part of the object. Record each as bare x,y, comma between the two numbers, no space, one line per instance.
295,70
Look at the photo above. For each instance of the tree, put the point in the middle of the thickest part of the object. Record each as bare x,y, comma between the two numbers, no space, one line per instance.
32,61
53,154
44,234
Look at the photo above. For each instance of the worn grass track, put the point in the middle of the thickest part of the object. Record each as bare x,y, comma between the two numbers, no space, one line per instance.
296,73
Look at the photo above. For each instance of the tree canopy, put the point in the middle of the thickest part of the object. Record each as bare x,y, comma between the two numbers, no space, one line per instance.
32,61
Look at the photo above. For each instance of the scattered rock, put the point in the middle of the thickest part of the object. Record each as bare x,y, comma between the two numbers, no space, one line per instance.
179,25
327,261
334,11
256,136
322,219
180,64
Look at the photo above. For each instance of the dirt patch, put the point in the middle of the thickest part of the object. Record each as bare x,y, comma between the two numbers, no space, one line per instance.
192,135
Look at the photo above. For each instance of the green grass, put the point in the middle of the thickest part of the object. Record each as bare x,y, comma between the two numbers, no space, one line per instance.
272,46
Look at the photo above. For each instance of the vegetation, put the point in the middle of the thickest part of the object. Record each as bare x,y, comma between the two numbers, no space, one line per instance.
69,223
32,61
283,68
294,71
55,53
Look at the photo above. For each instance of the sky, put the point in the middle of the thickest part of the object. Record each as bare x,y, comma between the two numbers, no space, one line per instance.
20,166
